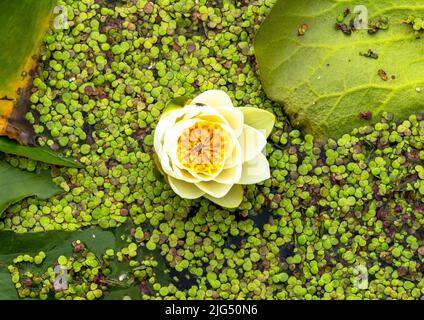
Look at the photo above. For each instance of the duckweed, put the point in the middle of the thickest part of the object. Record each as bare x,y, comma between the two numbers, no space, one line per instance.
328,208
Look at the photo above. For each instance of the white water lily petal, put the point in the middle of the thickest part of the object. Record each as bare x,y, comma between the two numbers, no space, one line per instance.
202,176
207,114
184,189
245,130
236,156
231,200
214,98
183,174
188,177
230,143
234,117
163,158
255,170
259,119
191,112
213,118
252,142
215,189
166,121
230,175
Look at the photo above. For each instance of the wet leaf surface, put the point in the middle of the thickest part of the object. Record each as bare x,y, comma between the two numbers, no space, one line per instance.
42,154
321,77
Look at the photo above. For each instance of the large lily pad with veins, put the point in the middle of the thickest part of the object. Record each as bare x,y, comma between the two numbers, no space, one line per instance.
324,78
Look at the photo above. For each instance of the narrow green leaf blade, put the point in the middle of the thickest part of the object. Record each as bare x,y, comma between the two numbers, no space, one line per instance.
42,154
16,185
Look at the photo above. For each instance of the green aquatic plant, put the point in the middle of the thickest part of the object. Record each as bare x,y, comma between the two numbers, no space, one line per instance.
22,27
16,185
209,148
320,79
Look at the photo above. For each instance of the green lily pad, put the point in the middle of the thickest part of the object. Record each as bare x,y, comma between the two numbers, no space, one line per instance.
53,243
16,185
325,79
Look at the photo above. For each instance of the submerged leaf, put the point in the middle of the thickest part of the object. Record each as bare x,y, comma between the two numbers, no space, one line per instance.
42,154
16,185
322,79
176,103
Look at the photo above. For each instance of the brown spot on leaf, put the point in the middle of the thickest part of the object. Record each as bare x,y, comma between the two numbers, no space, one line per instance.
344,28
365,115
346,12
89,90
383,75
27,283
302,29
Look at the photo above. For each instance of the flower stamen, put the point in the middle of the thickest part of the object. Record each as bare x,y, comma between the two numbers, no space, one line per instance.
201,147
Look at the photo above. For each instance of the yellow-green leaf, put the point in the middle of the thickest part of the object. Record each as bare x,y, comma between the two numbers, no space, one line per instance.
232,200
324,78
176,103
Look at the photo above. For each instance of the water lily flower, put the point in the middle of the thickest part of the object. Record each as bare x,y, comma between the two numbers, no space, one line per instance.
210,148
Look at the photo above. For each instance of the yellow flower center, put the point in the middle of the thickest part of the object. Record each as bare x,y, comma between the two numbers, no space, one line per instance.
201,147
